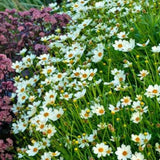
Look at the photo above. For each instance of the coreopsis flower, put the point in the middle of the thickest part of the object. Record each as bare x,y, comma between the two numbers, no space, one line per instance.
48,70
76,73
46,114
57,113
66,96
118,45
137,156
85,23
79,94
119,78
50,97
22,97
17,66
123,152
49,130
137,138
127,64
98,53
144,44
136,117
146,138
83,142
143,74
126,101
28,60
46,156
41,125
153,91
156,49
33,150
92,73
157,146
108,150
45,143
99,5
100,150
115,108
92,136
136,105
122,35
44,59
123,45
84,74
86,113
55,154
98,109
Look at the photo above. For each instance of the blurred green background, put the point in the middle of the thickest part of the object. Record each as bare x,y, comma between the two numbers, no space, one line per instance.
25,4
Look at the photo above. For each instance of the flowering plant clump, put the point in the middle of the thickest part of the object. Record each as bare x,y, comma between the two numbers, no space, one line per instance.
95,94
6,116
23,30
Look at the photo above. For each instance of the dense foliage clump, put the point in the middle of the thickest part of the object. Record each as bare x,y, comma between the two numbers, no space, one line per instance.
20,30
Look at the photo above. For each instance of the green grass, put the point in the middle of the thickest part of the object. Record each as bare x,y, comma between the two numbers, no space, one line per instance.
23,4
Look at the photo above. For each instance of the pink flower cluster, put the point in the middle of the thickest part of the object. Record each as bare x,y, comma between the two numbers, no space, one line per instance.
28,26
5,66
6,116
5,145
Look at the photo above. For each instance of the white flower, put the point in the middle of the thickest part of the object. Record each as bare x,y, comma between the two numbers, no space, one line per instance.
123,152
136,117
55,154
44,59
50,97
98,53
49,130
144,44
98,109
153,91
66,96
126,101
156,49
123,45
118,45
57,113
122,35
143,74
46,114
92,136
99,4
83,141
157,145
137,138
137,156
86,113
48,70
100,150
33,150
18,66
79,94
46,156
22,52
113,108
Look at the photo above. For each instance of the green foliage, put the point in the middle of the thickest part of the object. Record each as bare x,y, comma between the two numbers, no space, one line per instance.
23,4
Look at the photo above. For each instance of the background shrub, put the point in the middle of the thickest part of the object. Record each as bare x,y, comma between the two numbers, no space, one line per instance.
25,4
20,30
6,116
